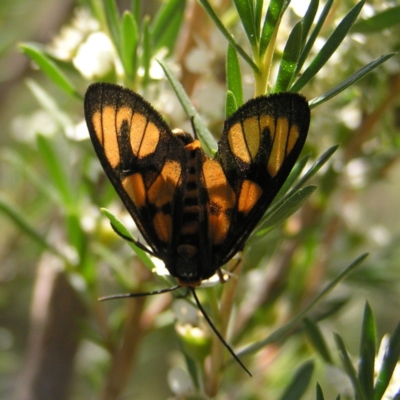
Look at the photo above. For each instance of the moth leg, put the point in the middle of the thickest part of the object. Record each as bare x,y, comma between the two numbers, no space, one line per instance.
221,276
224,275
239,260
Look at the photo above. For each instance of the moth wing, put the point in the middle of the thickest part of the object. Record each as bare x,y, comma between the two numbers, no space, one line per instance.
259,146
140,155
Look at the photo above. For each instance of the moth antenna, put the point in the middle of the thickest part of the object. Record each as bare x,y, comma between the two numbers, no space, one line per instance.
196,299
126,295
229,348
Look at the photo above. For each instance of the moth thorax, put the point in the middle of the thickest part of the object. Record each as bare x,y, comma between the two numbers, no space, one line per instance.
183,136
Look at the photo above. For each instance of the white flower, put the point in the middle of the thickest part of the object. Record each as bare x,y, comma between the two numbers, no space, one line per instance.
357,172
159,267
95,57
65,44
350,115
77,132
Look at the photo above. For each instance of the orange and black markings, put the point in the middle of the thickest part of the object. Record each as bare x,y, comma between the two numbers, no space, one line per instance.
195,212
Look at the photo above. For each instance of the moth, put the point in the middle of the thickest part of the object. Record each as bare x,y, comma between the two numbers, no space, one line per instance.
195,212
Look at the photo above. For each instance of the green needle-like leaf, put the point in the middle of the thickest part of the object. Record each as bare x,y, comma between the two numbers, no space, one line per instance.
384,20
329,48
206,138
367,353
286,208
111,12
245,9
289,60
280,333
166,24
299,383
390,360
136,11
234,75
258,8
210,11
314,34
49,67
230,104
129,44
147,51
56,171
309,18
319,394
317,339
314,168
350,80
272,18
296,171
349,368
294,174
121,229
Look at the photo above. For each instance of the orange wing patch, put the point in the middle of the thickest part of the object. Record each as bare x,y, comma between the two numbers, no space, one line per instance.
162,190
104,122
135,189
221,201
250,192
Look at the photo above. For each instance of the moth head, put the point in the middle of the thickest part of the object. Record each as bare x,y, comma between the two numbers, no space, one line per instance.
183,136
